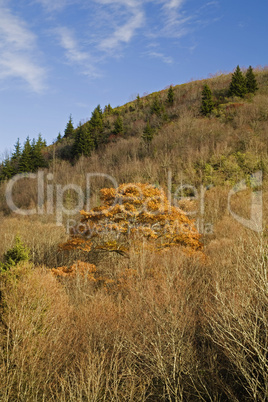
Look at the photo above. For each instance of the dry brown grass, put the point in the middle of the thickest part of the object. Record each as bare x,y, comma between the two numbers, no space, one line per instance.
168,328
121,343
41,238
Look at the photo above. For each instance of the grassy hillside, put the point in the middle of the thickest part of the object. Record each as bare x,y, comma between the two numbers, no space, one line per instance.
229,144
156,326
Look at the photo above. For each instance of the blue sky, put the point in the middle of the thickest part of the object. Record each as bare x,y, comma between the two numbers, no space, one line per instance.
62,57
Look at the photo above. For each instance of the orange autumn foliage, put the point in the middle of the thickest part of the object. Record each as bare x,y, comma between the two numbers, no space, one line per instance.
77,243
133,214
79,267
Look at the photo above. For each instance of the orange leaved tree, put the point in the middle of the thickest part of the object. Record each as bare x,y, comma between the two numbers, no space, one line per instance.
132,215
79,267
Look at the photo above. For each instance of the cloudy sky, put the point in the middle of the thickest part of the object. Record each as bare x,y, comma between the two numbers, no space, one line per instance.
62,57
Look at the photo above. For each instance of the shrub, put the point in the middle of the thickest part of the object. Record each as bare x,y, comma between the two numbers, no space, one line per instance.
15,255
133,214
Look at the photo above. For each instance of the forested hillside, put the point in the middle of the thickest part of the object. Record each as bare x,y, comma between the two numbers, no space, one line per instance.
205,136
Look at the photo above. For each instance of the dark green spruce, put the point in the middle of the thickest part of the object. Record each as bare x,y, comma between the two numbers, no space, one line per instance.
238,85
37,156
83,143
148,134
26,162
118,125
156,106
170,96
251,82
207,101
69,130
96,126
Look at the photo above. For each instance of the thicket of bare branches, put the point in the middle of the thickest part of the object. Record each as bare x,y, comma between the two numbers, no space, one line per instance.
167,327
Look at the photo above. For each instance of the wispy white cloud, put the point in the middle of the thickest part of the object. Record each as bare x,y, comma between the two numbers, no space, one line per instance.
127,3
70,44
127,16
18,51
175,21
212,3
73,55
99,32
123,33
161,56
173,4
53,5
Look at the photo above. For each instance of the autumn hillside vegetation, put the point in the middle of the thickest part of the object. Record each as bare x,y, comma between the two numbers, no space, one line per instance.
159,291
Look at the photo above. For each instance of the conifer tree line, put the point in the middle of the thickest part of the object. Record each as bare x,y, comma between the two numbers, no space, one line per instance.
26,158
240,86
89,136
86,137
243,84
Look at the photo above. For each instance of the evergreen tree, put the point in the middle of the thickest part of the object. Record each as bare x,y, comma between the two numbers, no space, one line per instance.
59,137
207,102
15,255
8,170
96,120
170,95
15,157
118,125
108,110
96,126
139,102
25,163
156,107
148,134
98,109
83,143
251,82
69,130
2,175
38,160
17,151
41,143
238,84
